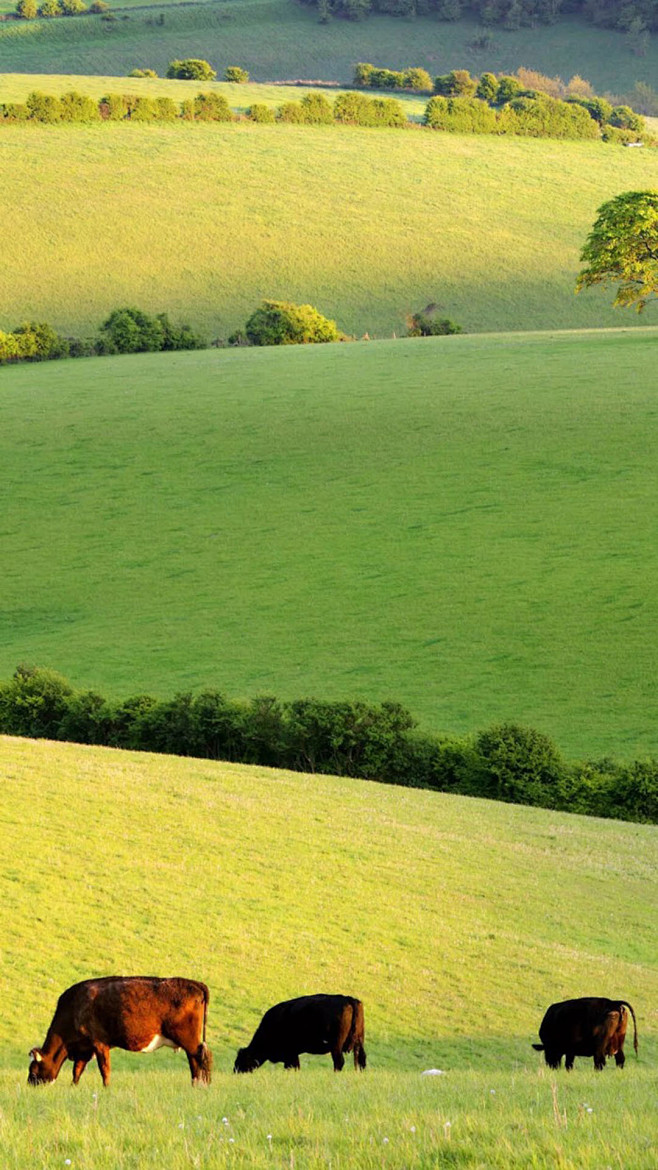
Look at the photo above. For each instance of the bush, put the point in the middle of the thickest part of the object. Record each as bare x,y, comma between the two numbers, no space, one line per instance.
191,69
179,336
457,83
212,107
598,108
44,107
77,107
515,764
39,342
50,8
427,323
72,7
261,113
418,80
142,109
131,331
284,323
98,6
460,115
26,9
626,119
236,74
508,88
362,74
14,112
142,72
546,118
114,107
352,109
292,112
487,87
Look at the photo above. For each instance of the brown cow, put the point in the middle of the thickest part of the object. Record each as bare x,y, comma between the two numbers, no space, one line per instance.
138,1013
311,1023
591,1026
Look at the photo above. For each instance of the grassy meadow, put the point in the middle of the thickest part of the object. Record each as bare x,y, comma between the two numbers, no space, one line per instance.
463,524
369,225
280,39
456,921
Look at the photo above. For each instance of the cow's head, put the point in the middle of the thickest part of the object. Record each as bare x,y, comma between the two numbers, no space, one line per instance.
246,1062
41,1070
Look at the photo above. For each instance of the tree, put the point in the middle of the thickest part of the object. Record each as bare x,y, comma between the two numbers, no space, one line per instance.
236,74
622,248
283,323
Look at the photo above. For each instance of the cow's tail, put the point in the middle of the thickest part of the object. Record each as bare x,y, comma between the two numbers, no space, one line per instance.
627,1004
205,1055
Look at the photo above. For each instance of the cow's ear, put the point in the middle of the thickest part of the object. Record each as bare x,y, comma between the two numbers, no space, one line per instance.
36,1055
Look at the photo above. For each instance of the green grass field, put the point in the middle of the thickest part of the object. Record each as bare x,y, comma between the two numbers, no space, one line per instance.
456,921
205,220
279,39
464,524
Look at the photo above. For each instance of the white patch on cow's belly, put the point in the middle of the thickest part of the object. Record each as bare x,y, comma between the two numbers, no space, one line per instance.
158,1041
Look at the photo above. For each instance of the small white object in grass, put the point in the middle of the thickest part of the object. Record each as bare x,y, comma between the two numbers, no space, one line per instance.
67,1161
231,1139
181,1125
433,1072
412,1128
225,1120
269,1137
493,1092
446,1129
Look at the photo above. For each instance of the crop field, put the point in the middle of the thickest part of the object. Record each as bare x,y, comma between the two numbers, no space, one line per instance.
280,39
464,524
369,225
456,921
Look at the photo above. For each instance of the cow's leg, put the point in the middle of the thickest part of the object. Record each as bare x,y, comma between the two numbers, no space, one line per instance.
599,1061
569,1058
291,1061
79,1067
200,1062
338,1059
553,1059
102,1053
620,1059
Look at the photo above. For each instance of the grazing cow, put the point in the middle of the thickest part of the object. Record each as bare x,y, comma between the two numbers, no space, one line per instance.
591,1026
312,1023
136,1012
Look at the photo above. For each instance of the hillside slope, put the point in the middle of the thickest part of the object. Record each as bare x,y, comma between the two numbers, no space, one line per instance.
368,225
455,920
279,39
464,524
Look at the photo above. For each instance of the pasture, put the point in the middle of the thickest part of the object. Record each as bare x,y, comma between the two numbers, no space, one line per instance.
281,39
457,921
368,225
464,524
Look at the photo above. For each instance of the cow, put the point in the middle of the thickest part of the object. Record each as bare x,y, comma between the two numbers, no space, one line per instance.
312,1023
138,1013
591,1026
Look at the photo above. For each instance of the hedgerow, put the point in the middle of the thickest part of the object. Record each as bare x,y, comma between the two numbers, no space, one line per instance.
126,330
506,762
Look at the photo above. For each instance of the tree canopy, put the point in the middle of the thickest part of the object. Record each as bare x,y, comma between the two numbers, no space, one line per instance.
622,248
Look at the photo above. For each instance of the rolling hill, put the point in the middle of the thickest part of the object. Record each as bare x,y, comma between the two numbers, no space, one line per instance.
280,39
463,524
369,225
457,921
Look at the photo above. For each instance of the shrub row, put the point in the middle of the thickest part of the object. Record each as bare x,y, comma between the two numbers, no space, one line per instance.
507,762
30,10
542,117
126,330
116,107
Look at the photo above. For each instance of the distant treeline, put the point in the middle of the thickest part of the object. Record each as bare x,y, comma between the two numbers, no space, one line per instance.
512,111
382,742
634,16
126,330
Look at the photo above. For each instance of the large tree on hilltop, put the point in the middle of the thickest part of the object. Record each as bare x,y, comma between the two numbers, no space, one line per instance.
622,248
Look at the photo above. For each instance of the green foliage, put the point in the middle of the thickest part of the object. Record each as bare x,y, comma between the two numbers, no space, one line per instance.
98,6
143,109
363,73
212,107
626,119
355,109
72,7
622,248
114,107
313,109
44,107
418,80
545,117
508,88
191,69
598,108
428,323
457,83
14,112
460,115
236,74
50,8
143,73
27,9
259,112
39,342
283,323
487,87
77,107
515,764
33,702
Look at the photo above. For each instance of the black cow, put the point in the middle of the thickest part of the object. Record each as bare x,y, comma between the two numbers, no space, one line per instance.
312,1023
591,1026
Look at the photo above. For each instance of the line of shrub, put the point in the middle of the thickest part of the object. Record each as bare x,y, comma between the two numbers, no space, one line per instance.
126,330
48,9
382,742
